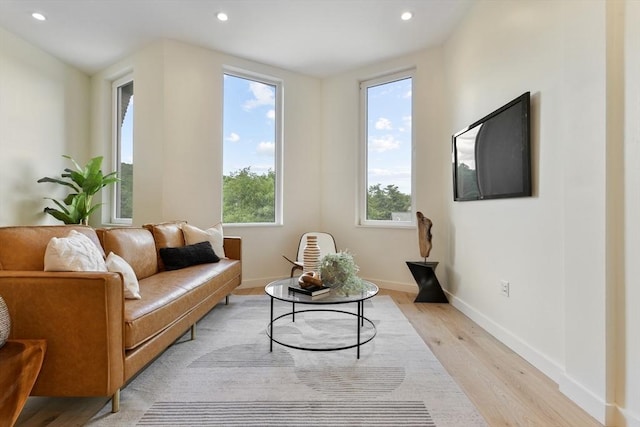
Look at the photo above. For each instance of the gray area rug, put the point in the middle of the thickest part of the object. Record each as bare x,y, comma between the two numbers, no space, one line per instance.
228,376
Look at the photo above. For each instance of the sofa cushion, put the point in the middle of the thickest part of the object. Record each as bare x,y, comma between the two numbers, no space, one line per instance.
116,264
135,245
166,235
22,247
188,255
213,235
75,252
169,295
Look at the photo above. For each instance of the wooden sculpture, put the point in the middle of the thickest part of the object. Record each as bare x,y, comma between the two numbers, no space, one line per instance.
424,235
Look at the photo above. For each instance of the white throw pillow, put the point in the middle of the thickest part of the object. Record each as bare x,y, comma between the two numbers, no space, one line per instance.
116,264
213,235
76,252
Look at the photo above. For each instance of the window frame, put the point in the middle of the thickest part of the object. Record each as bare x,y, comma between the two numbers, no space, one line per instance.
116,146
363,184
278,142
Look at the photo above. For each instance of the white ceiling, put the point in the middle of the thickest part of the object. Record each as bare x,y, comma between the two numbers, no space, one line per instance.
314,37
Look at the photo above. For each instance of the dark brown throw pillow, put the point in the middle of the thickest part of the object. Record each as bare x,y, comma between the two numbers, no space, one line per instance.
185,256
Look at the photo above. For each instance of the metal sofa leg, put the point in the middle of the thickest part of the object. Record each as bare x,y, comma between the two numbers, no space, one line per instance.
226,300
115,401
193,332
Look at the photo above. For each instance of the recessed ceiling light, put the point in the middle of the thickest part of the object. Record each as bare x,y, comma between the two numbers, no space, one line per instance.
222,16
38,16
406,16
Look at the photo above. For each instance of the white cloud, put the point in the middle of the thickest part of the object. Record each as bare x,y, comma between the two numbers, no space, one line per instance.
466,148
271,114
262,95
383,124
266,148
384,143
407,94
406,124
233,137
400,177
390,174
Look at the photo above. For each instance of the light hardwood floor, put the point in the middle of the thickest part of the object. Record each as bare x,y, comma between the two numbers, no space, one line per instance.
507,390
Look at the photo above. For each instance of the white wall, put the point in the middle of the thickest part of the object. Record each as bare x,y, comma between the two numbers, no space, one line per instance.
628,320
178,147
44,113
559,249
519,240
569,252
381,252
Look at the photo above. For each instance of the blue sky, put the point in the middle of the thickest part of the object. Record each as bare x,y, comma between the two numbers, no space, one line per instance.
249,130
248,125
389,134
126,135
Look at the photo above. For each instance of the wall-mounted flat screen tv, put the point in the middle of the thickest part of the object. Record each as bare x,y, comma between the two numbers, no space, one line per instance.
491,157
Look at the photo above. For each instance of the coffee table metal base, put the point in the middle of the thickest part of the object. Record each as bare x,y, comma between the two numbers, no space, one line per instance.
360,321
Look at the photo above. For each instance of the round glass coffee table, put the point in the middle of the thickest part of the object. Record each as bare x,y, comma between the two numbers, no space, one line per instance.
279,290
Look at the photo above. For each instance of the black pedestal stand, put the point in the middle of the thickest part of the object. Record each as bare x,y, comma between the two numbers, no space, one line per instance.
429,289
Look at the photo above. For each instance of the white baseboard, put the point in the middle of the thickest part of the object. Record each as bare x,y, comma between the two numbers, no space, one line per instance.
581,396
627,419
540,361
394,286
591,403
606,413
257,283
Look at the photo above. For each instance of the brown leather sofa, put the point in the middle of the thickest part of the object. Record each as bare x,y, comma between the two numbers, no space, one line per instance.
97,340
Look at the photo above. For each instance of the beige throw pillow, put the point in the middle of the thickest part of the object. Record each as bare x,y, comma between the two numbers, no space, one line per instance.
117,264
76,252
213,235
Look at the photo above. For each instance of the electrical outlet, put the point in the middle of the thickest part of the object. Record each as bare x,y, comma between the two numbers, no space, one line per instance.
504,288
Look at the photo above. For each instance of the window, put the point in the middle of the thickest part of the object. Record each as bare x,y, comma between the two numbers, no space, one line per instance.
251,150
122,206
386,196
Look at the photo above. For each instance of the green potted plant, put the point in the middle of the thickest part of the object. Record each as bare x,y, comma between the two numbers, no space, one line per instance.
340,272
85,182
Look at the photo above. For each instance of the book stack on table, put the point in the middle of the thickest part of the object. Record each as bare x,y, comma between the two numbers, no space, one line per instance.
311,291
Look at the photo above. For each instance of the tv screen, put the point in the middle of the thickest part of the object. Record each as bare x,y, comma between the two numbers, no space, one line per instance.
491,157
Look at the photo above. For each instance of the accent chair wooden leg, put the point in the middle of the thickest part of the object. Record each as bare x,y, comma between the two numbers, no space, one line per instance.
193,332
115,401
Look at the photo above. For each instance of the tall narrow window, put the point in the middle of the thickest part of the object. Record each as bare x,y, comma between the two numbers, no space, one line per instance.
387,151
122,209
251,150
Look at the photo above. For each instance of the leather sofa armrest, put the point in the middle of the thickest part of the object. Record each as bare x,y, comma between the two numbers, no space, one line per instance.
80,315
233,247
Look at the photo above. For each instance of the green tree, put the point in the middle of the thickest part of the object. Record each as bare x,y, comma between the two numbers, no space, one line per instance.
126,190
248,197
381,202
467,182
